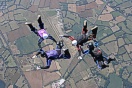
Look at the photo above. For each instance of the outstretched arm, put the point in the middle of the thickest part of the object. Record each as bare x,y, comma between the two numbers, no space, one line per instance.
46,67
39,52
39,42
106,59
79,49
85,51
67,36
51,37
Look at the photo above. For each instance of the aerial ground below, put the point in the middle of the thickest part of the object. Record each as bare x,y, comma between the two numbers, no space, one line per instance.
18,44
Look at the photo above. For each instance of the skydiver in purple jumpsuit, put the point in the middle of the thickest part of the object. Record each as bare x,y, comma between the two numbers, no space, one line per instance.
42,33
53,54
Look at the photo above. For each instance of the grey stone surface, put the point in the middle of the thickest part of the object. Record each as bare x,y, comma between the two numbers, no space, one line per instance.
108,39
13,25
11,16
19,17
36,2
20,82
5,28
25,3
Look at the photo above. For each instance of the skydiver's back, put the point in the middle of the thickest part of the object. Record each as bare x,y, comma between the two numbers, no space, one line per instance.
53,54
81,39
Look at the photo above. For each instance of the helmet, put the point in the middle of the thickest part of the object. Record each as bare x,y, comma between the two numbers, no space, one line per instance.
60,44
90,46
45,36
74,42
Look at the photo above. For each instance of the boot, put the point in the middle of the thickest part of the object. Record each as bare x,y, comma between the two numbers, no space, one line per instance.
39,19
30,25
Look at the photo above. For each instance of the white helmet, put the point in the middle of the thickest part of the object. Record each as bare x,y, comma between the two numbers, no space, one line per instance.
45,36
74,42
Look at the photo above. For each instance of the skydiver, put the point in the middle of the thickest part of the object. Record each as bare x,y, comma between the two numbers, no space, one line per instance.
83,38
97,55
42,33
57,53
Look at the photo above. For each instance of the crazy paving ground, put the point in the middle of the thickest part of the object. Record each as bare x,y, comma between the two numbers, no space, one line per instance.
18,44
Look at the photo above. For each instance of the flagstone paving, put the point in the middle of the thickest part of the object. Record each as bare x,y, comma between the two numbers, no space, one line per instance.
18,44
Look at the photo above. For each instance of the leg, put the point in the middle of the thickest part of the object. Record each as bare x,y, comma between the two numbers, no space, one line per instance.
50,37
94,31
41,24
33,29
45,67
67,54
49,62
84,30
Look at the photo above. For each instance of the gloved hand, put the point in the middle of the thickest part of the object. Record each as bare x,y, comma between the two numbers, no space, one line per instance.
45,67
61,81
64,49
105,62
79,57
38,67
34,56
61,35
